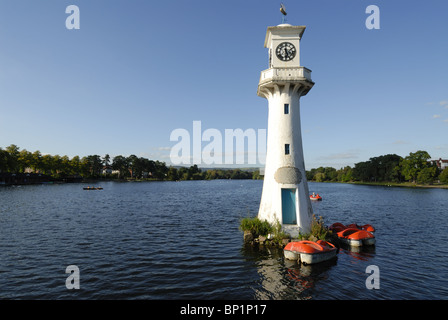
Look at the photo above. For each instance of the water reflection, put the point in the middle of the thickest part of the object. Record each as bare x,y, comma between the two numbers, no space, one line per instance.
305,278
364,253
280,278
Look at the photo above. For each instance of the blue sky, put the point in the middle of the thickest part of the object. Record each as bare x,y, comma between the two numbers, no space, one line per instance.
137,70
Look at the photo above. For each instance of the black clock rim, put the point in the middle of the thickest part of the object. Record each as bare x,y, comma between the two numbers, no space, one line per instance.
280,57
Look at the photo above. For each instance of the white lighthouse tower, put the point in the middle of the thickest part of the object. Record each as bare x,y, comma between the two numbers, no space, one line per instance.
285,196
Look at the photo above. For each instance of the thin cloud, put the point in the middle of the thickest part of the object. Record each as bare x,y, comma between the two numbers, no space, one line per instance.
442,147
436,116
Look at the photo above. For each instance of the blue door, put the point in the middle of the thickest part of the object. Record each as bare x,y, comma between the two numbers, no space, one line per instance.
289,206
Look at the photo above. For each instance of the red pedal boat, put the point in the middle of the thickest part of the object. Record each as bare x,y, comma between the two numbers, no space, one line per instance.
315,197
310,252
337,227
356,237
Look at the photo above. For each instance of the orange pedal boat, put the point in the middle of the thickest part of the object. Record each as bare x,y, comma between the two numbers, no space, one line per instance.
356,237
310,252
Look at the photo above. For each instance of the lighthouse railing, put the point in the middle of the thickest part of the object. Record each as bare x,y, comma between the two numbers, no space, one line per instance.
285,74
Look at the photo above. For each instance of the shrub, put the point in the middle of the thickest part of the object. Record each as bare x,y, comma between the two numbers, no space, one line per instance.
256,226
318,231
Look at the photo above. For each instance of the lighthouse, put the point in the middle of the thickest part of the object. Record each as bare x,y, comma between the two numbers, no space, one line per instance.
285,195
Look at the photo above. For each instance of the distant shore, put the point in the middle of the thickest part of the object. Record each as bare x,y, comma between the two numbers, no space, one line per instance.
28,179
402,184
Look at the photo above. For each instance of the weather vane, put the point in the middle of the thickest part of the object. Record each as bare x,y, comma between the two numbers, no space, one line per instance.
283,11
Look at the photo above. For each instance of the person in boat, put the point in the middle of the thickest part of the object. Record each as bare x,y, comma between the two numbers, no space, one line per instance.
314,195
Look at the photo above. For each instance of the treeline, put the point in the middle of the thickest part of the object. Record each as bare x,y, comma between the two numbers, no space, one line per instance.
14,160
414,168
387,168
194,173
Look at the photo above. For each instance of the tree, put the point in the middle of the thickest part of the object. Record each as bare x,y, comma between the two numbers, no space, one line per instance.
182,173
161,170
382,168
319,177
194,169
24,159
13,159
361,171
133,164
4,155
330,174
36,162
172,174
66,167
47,163
310,174
426,175
413,164
120,163
95,164
106,160
75,165
443,176
256,175
345,174
84,167
56,165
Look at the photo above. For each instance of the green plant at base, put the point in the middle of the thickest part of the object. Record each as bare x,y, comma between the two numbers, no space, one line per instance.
278,233
318,231
263,228
256,226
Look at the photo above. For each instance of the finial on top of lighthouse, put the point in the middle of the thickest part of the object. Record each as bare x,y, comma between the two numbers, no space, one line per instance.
283,11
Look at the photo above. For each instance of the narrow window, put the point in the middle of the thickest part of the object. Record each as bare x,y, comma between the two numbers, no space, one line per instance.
287,148
286,108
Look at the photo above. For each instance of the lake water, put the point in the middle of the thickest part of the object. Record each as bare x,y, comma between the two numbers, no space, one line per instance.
180,240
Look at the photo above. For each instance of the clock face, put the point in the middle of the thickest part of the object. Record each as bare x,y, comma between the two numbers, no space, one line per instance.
285,51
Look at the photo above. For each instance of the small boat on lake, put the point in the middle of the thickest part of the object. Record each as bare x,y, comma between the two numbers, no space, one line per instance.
338,227
356,237
93,188
315,197
310,252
